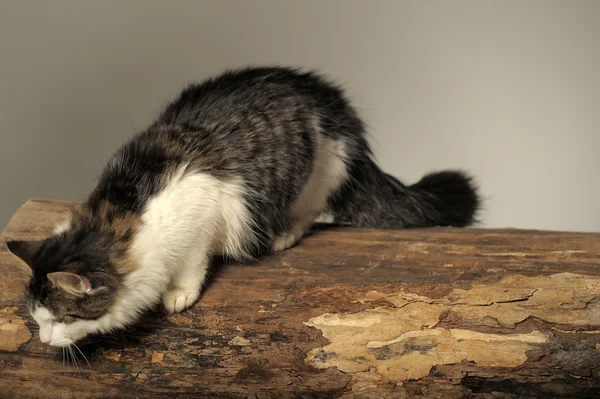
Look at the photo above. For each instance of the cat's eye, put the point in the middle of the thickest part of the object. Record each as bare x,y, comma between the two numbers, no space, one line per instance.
70,318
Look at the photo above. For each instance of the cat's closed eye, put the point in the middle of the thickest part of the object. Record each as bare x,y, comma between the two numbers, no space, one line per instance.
70,318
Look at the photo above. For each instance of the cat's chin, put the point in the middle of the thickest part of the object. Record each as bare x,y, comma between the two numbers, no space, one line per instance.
61,343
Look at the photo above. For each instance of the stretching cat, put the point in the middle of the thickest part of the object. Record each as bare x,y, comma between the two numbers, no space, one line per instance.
240,165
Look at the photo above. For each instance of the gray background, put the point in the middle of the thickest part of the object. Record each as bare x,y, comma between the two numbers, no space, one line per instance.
507,89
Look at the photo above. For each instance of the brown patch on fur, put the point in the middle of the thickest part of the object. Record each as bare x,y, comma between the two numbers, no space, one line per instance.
124,226
126,263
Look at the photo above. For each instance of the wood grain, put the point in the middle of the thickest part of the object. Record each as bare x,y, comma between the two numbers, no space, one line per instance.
353,313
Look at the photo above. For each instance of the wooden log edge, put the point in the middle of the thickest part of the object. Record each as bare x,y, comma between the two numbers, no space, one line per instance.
348,313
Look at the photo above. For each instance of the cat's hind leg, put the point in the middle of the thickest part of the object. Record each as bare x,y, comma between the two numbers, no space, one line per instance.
328,173
287,240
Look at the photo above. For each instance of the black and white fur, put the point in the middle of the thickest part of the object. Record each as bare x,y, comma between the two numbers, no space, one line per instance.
240,165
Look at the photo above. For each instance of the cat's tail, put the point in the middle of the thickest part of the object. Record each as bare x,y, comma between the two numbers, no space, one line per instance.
372,198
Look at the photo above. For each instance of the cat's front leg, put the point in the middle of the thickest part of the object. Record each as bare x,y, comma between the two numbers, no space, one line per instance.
186,285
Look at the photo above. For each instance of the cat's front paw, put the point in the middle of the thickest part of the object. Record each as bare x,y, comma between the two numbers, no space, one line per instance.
179,299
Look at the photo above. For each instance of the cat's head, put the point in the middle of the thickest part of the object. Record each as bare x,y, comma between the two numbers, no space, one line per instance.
73,283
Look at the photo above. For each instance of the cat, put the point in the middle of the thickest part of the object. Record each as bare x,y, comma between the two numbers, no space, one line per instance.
239,166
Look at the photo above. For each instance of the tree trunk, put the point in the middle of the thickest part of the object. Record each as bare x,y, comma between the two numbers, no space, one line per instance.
353,313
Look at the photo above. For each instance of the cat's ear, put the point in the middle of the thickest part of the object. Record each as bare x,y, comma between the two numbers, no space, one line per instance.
25,250
71,283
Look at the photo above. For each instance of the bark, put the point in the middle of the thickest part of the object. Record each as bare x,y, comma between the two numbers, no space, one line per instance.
428,313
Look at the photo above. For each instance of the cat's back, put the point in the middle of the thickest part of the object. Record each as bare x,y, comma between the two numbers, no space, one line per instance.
258,124
271,92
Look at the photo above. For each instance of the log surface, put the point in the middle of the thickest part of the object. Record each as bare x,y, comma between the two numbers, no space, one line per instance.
446,313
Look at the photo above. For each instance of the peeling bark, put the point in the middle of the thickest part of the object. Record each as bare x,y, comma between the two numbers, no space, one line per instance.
352,313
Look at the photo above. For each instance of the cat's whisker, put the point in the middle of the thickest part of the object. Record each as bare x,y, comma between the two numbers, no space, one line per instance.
75,362
55,353
84,358
68,357
79,365
70,348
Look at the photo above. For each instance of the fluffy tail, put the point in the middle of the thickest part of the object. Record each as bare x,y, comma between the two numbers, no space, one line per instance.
372,198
